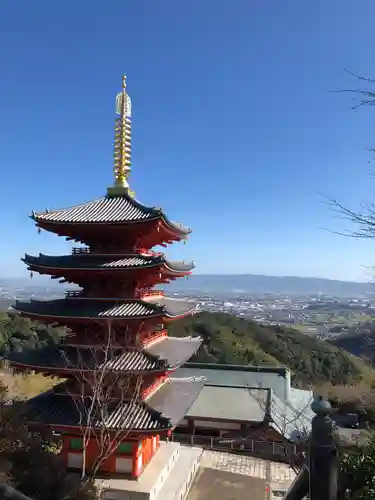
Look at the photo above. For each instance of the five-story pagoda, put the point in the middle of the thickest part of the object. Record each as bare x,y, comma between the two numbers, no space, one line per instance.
116,397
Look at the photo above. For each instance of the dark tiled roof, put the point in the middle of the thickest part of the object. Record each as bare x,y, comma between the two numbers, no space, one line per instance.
175,307
174,398
277,378
162,355
61,410
177,265
163,410
230,403
95,261
96,308
107,209
110,209
69,357
84,308
175,351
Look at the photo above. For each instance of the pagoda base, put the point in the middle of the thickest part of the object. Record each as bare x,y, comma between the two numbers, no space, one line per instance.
167,477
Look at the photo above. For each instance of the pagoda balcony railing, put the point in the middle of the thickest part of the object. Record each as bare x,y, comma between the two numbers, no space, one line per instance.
86,250
140,294
78,250
264,449
154,336
73,293
147,294
145,251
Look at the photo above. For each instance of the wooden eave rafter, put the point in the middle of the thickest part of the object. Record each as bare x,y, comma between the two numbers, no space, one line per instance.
66,229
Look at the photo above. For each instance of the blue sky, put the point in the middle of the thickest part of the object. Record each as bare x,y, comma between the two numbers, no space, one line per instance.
235,129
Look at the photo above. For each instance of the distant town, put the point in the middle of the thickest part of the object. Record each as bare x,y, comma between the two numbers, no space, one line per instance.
318,314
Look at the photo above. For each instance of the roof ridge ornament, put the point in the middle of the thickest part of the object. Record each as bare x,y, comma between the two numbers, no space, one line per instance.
122,145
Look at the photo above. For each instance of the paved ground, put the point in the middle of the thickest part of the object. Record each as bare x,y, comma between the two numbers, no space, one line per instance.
221,485
248,466
225,476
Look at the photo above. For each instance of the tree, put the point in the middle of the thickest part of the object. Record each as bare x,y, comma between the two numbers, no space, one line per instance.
364,218
41,474
358,472
18,333
100,390
31,464
293,425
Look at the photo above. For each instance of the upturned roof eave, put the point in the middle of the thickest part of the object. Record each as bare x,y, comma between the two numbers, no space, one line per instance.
54,369
37,411
189,266
159,261
159,411
93,223
180,315
182,231
159,311
154,214
161,306
89,318
157,430
34,215
160,362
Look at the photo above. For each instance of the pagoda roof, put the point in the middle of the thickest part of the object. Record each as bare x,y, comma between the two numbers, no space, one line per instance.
162,410
174,349
94,261
107,210
164,354
82,308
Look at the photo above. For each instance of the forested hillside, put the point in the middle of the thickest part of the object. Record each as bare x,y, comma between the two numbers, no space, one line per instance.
18,333
360,342
227,339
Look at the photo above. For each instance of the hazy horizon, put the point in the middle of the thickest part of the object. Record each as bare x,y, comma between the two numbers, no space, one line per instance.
38,277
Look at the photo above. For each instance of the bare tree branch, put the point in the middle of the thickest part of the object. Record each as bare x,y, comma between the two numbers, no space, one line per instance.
364,218
286,425
99,390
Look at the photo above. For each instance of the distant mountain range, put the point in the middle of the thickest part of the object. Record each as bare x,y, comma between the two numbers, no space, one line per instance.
232,284
261,284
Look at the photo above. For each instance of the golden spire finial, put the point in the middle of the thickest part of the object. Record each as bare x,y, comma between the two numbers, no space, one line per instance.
122,144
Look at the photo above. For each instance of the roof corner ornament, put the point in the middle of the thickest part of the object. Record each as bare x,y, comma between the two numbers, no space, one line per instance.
122,144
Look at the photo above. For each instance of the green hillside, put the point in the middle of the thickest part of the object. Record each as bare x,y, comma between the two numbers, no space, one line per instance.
228,339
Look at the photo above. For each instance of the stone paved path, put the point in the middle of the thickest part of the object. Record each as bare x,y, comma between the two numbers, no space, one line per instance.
221,485
248,466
